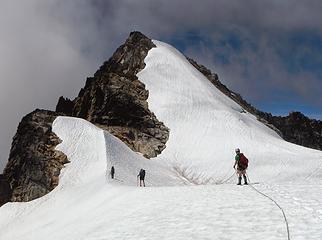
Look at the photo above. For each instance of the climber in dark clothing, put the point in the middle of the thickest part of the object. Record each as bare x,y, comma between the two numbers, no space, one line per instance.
112,172
242,163
141,175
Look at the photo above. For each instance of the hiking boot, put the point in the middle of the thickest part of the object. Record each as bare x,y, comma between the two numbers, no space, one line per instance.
239,181
245,180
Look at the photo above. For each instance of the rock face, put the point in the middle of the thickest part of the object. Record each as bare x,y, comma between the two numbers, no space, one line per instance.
5,191
295,128
299,129
65,105
34,164
115,100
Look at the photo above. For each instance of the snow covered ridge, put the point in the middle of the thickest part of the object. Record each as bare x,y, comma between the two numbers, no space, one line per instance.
295,128
93,151
205,128
113,99
88,205
184,198
206,125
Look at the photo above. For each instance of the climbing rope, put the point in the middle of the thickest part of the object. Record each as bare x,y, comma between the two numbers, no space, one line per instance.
263,194
284,215
226,180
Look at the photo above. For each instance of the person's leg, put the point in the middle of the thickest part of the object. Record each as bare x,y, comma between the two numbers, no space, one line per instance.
239,177
239,180
143,183
245,178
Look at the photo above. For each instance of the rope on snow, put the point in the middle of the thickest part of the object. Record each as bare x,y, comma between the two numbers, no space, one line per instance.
284,215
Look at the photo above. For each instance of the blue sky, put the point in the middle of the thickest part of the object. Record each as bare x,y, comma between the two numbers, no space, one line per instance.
294,55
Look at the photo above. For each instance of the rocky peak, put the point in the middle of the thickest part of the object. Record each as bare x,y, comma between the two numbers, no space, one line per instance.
34,164
115,99
65,105
128,59
5,191
299,129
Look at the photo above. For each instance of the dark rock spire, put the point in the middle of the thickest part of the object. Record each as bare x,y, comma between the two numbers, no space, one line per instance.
116,100
34,164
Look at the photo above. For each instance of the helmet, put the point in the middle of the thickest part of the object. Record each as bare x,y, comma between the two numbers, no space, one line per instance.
237,150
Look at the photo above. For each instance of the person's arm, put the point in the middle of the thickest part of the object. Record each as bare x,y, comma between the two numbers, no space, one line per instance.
236,161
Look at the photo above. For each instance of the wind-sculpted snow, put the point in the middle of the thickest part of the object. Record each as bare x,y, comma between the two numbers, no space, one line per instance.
205,128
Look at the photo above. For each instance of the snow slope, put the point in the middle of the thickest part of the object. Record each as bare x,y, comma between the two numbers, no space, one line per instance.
205,128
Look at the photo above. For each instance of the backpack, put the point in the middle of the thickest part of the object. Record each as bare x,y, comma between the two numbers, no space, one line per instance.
142,173
243,161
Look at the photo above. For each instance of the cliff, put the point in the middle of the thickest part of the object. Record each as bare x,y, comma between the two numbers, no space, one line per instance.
115,100
34,164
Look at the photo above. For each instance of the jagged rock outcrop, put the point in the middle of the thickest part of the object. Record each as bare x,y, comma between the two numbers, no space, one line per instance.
65,106
5,191
299,129
295,127
115,100
34,164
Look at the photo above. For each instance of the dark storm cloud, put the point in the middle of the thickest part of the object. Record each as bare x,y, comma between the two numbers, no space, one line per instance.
47,48
169,16
261,28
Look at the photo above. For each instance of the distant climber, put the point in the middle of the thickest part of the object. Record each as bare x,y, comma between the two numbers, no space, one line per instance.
141,175
242,163
112,172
